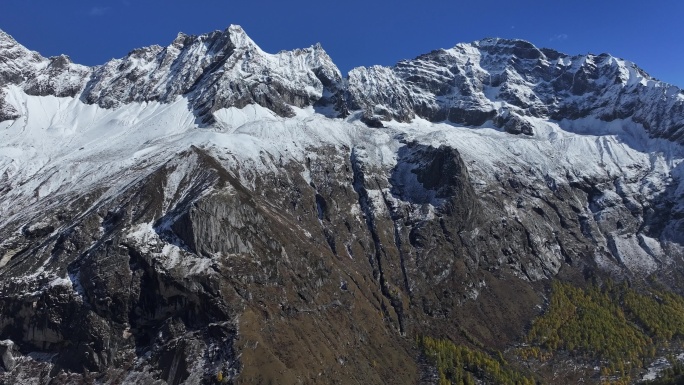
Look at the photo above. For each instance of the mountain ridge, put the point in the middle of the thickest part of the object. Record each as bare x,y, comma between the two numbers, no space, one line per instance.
468,86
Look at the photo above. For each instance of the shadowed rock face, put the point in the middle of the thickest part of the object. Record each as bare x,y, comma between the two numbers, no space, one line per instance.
200,262
117,301
181,276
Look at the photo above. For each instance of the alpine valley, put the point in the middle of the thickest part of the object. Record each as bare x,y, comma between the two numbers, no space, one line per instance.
207,212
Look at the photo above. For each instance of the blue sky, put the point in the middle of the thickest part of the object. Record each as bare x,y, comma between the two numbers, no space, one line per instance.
358,32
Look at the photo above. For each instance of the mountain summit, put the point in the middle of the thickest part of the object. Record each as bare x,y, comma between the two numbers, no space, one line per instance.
207,212
496,80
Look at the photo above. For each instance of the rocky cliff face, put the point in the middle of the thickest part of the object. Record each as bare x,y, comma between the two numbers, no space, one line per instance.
216,70
212,210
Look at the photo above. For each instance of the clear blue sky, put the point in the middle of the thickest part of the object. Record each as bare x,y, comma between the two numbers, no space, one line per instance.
358,32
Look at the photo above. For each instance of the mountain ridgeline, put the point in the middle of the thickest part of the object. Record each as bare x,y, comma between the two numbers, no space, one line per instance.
207,212
494,80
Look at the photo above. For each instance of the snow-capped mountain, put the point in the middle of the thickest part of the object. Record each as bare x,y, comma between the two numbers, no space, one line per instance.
507,81
496,80
217,70
209,207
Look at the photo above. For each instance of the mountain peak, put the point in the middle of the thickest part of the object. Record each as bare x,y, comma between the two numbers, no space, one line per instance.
239,37
499,46
180,40
236,28
5,36
8,42
15,61
494,41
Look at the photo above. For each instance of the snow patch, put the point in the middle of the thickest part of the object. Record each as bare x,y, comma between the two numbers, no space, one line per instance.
632,255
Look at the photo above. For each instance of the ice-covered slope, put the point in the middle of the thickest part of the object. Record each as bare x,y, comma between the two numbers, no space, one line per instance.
200,206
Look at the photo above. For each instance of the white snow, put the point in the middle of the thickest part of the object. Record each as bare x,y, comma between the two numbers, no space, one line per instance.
658,366
61,148
60,282
233,118
632,255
